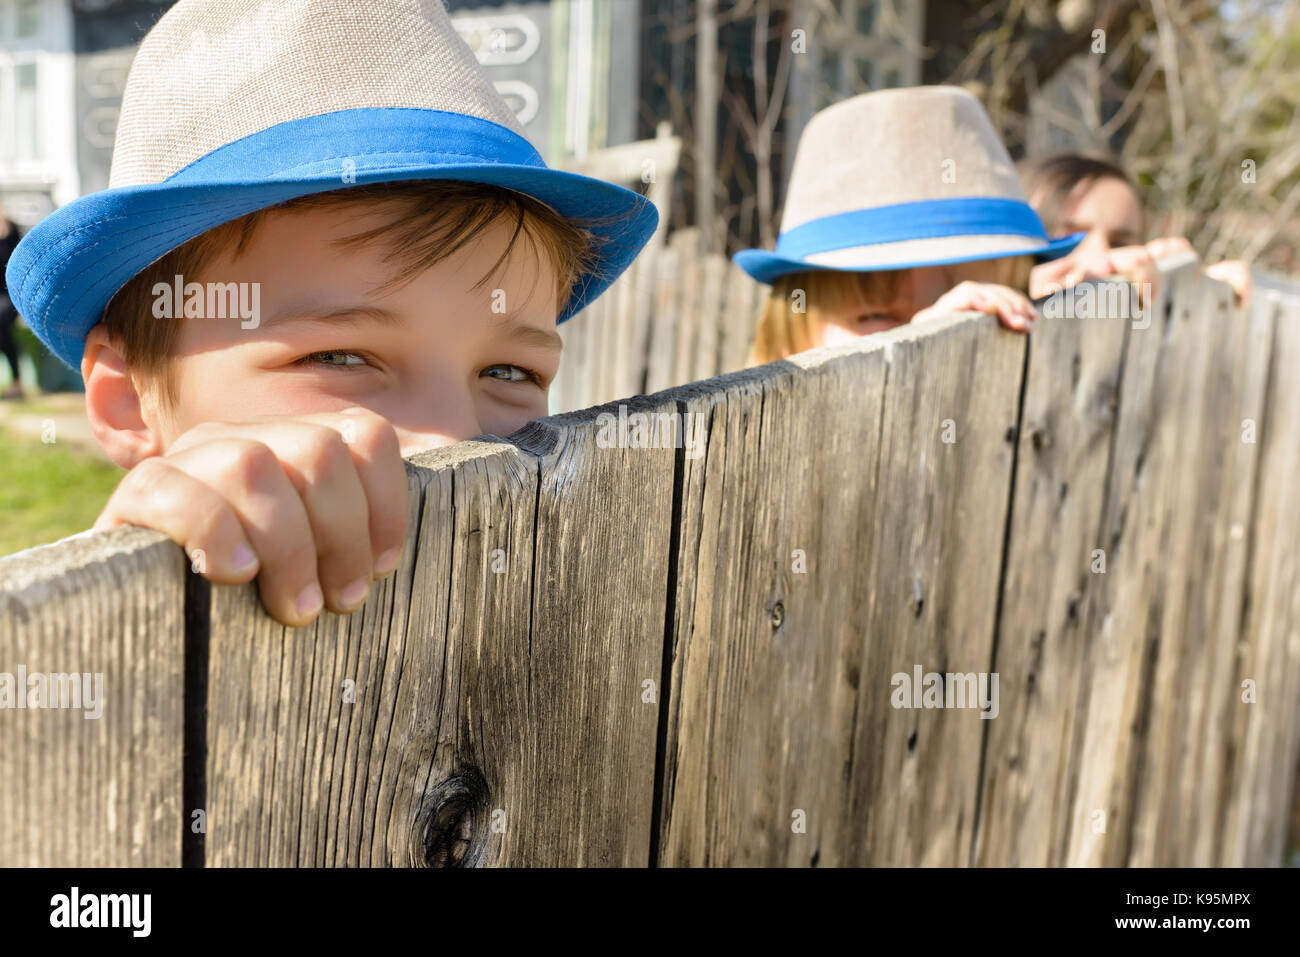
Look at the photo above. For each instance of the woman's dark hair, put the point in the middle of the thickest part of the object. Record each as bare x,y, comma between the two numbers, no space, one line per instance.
1051,183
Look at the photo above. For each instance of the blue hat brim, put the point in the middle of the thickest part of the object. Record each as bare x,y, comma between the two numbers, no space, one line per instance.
767,267
68,267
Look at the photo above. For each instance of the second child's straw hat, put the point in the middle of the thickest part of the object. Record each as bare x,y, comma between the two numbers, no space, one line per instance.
898,179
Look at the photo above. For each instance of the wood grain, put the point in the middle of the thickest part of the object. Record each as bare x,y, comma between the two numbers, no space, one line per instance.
1265,735
1070,404
78,791
783,677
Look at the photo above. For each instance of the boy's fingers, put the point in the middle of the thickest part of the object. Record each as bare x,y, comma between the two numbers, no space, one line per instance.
156,494
320,467
1047,278
249,475
348,469
323,473
377,455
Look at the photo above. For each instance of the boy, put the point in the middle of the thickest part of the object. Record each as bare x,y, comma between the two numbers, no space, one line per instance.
293,282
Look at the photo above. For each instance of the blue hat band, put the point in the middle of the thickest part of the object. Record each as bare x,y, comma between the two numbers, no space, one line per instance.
926,219
334,146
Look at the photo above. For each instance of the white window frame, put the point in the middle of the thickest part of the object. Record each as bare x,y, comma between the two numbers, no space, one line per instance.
53,169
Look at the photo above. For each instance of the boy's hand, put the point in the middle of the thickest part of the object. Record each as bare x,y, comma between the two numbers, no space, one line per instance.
1013,309
314,505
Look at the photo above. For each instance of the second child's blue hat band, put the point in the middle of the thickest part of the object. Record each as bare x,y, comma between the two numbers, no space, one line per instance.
927,219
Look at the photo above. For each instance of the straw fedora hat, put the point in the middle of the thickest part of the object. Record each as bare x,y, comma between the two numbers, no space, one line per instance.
897,179
234,106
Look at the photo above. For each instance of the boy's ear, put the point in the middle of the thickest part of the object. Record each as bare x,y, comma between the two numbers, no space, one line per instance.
125,423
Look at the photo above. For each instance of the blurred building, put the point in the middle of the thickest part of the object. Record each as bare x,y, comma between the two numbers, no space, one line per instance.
776,63
569,68
38,123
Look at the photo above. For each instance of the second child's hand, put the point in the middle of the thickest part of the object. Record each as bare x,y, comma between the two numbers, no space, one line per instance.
1013,309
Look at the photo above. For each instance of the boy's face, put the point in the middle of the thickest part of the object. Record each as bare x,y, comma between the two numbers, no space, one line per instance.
441,361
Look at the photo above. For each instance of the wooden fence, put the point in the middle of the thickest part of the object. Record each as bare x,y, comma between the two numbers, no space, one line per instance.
600,654
677,315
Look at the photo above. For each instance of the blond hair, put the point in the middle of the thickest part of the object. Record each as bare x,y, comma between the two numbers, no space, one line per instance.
430,220
827,293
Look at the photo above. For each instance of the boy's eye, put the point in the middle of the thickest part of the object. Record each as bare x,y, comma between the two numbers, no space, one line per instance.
333,359
509,373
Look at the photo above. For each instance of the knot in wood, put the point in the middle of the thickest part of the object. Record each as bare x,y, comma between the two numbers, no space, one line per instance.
778,616
452,822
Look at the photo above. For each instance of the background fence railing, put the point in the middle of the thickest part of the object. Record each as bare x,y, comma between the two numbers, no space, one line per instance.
601,654
677,315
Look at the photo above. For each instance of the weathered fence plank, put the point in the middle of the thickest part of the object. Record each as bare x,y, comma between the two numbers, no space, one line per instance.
690,295
78,789
1178,794
1150,514
462,738
1116,670
942,520
761,715
790,671
602,566
1070,403
332,738
1266,732
659,362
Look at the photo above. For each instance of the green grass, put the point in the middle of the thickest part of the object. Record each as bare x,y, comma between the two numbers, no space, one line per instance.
48,491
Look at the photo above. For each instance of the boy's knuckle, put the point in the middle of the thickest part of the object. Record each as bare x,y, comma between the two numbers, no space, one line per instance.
376,436
251,462
325,452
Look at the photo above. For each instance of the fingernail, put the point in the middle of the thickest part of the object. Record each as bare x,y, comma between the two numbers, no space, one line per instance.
354,594
243,559
387,561
310,600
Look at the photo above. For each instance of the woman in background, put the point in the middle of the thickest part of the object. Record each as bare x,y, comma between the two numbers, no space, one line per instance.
1073,193
8,315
